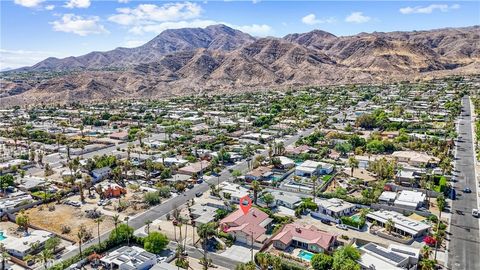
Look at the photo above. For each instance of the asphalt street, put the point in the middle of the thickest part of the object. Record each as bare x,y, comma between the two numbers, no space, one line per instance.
464,247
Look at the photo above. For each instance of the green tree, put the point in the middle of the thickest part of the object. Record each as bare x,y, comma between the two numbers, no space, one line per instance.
121,234
345,258
322,261
205,231
53,243
268,198
155,242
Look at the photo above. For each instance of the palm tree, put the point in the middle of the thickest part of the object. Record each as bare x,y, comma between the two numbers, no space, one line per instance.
314,179
390,225
116,221
44,257
426,252
427,264
364,212
98,221
205,231
81,234
4,254
353,163
147,223
256,188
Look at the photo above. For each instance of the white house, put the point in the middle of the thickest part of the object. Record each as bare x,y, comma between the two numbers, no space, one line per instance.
21,247
310,167
129,258
334,207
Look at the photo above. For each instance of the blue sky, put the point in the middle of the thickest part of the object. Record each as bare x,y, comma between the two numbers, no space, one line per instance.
32,30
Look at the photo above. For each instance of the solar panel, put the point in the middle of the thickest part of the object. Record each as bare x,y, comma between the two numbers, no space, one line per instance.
404,252
389,255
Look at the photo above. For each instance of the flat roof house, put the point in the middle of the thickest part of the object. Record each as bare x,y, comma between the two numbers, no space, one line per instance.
310,167
122,136
305,237
395,257
129,258
247,227
286,199
195,168
402,225
415,158
410,199
334,207
21,247
233,191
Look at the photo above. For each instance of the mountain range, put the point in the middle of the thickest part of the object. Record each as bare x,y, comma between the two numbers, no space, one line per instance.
219,59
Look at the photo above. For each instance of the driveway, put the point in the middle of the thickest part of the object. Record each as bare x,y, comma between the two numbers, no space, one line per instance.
239,252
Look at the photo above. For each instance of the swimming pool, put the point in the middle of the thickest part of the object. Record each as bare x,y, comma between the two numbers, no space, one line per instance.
307,256
356,218
2,237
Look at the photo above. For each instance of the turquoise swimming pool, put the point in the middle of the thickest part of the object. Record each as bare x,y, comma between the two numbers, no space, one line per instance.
2,237
307,256
356,218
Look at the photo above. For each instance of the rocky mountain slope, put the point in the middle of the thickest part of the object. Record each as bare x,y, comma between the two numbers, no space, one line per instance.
219,59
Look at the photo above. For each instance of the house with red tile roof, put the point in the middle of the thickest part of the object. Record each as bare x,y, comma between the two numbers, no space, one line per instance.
305,237
245,227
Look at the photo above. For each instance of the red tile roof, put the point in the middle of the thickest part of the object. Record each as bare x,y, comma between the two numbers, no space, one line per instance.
305,234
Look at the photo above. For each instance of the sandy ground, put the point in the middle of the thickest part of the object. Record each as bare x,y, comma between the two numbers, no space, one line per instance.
66,215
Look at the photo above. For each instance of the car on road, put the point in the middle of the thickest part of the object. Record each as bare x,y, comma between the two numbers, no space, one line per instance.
325,221
342,226
467,190
475,213
198,194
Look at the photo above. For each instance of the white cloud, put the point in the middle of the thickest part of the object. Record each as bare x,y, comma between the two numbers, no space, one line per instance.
254,29
50,7
123,1
77,4
357,17
429,9
21,58
145,14
28,3
311,19
71,23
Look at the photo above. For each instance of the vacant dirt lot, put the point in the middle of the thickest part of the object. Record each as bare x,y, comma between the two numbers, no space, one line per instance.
65,215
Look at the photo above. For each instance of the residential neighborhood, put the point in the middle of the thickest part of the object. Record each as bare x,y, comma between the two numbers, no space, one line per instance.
365,176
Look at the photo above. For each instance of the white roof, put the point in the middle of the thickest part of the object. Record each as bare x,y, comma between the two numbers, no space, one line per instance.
401,222
23,244
410,196
387,196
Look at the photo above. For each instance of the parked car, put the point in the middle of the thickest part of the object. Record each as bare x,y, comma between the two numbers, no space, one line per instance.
326,221
342,226
101,202
467,190
199,194
475,213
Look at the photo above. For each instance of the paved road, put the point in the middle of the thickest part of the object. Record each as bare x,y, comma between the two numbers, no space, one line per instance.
167,206
464,247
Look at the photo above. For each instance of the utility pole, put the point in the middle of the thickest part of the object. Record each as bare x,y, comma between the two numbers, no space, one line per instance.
251,247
